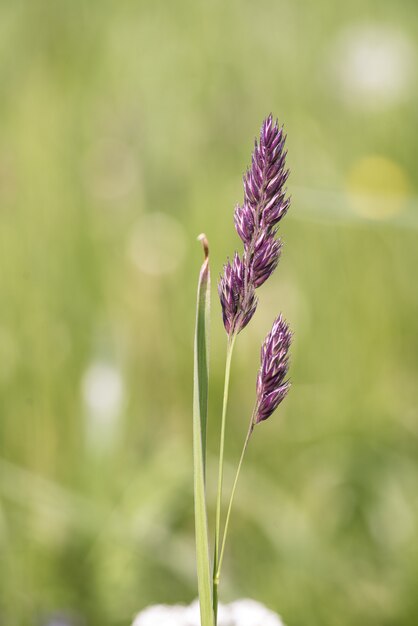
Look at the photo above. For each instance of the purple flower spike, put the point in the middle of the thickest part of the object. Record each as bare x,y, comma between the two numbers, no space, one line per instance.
238,301
264,205
271,384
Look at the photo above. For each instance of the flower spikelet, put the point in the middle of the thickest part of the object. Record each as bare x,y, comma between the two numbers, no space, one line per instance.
238,300
271,384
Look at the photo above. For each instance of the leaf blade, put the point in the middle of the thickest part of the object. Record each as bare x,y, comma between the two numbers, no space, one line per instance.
200,403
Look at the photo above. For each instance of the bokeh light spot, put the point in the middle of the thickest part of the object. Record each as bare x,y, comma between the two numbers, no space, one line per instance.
373,65
157,244
378,188
103,393
112,170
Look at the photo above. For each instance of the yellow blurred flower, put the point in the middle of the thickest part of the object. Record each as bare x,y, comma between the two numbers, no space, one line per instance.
377,187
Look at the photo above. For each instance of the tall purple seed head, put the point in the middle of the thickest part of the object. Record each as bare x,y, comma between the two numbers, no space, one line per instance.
256,224
271,384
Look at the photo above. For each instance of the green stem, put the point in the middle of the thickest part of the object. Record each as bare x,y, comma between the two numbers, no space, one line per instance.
229,350
228,515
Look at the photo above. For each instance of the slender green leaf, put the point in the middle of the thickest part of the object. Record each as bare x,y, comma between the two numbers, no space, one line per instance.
200,409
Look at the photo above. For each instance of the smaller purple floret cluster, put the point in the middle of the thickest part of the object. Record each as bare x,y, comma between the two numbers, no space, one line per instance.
238,299
256,223
271,384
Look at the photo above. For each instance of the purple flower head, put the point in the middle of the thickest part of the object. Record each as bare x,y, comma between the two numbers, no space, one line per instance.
238,302
256,220
271,384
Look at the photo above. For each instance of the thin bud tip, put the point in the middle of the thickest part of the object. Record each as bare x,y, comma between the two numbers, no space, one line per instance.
204,241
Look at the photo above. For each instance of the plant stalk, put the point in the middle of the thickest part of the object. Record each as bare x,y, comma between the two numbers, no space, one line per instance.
228,515
229,351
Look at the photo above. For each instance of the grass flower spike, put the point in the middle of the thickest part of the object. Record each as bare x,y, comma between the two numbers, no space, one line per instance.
256,221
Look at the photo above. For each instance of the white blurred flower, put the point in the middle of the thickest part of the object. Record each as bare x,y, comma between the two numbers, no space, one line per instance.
192,615
374,65
240,613
161,615
250,613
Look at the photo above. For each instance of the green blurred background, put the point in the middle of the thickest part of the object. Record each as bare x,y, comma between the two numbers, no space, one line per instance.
124,131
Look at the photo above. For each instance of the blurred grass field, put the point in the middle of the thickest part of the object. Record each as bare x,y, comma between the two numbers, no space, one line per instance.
124,131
